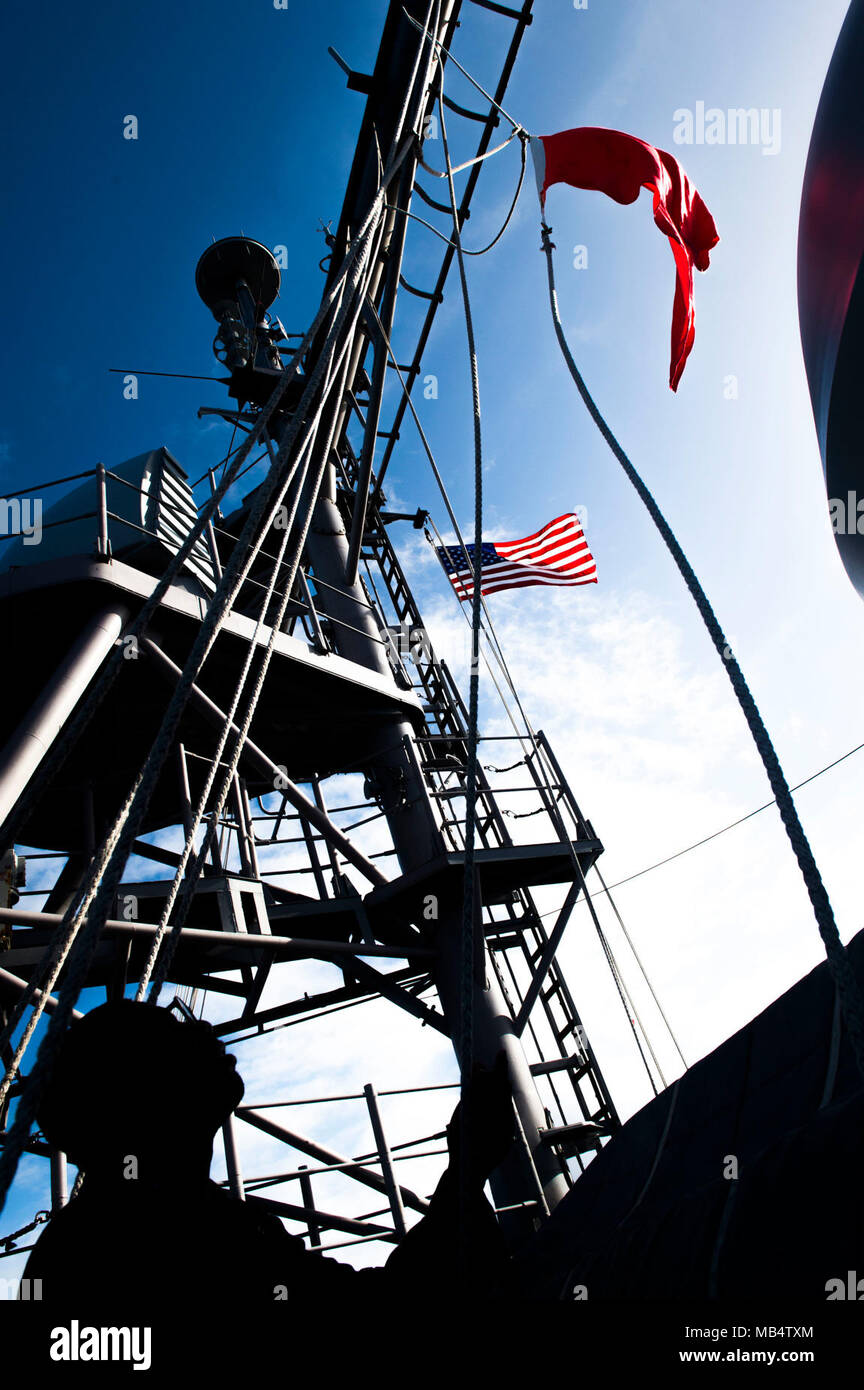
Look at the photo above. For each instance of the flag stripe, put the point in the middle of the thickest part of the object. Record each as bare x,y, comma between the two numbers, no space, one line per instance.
556,521
557,554
550,555
524,572
494,571
528,583
555,531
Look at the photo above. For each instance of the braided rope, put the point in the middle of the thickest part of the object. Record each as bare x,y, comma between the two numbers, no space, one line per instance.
838,959
342,366
160,974
51,965
478,159
214,761
57,950
189,853
482,250
9,831
108,865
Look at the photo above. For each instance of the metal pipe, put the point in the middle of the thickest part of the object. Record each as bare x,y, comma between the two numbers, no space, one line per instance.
214,551
43,722
312,851
232,1162
541,969
103,544
313,612
325,1155
327,1219
7,978
185,790
418,840
385,1160
59,1185
281,782
246,811
312,1226
252,940
247,865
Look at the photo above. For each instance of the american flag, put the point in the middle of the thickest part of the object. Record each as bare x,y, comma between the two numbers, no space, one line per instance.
558,554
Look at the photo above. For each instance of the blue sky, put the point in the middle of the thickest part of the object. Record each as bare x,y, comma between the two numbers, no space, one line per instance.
245,124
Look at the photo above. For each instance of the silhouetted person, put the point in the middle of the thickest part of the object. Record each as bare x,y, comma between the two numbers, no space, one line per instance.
135,1101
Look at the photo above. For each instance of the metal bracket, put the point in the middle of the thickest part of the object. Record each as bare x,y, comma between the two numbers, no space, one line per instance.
357,81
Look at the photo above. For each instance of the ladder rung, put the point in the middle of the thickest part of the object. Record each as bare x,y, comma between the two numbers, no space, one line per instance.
421,294
430,202
571,1063
481,116
526,18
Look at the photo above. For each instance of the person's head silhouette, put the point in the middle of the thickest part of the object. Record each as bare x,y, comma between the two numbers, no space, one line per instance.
133,1080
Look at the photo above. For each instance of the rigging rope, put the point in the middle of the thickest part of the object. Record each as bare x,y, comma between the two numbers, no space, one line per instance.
48,968
716,833
470,914
478,158
474,83
194,872
16,820
494,242
529,737
100,884
108,864
838,959
628,1005
629,941
297,478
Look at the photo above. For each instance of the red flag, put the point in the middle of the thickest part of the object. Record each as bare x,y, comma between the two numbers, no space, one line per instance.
620,165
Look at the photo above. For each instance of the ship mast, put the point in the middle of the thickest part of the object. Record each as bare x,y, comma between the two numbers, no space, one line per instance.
271,650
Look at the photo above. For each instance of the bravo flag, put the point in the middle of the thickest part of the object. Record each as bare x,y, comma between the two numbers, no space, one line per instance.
619,165
558,554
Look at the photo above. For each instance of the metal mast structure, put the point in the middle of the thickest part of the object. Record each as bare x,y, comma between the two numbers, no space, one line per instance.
214,672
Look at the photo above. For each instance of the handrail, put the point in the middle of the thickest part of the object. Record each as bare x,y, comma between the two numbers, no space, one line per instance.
55,482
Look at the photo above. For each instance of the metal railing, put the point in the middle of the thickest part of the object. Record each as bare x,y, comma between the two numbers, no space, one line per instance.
363,1167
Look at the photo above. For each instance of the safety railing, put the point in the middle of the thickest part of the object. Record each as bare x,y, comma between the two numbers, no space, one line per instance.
113,533
375,1168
